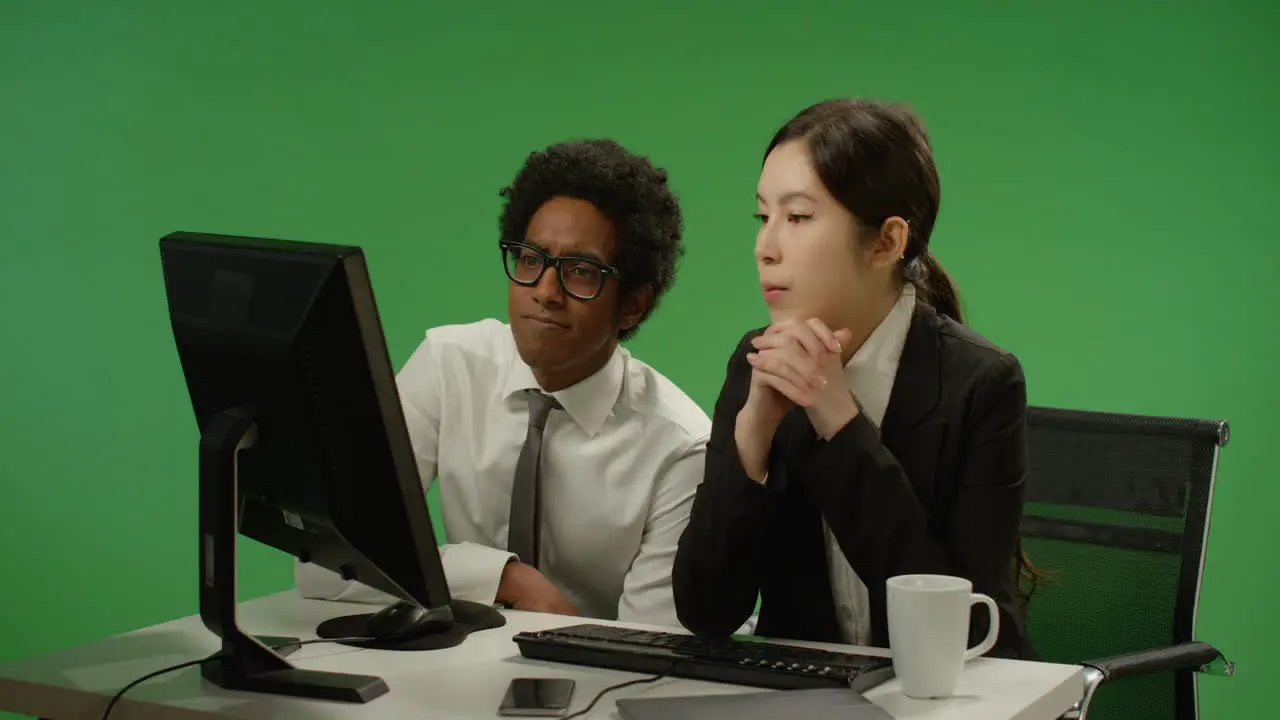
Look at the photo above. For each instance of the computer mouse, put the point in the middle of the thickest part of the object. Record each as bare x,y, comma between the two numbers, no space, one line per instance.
399,621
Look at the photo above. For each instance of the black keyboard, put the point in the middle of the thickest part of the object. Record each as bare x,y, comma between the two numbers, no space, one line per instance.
739,662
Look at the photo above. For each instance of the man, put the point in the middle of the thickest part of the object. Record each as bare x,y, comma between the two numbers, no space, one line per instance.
586,523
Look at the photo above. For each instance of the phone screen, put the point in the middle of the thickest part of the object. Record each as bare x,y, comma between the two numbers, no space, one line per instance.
546,697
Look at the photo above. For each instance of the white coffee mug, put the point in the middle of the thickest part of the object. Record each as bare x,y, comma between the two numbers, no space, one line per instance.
929,631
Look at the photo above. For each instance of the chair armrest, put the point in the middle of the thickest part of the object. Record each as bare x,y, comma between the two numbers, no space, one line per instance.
1185,656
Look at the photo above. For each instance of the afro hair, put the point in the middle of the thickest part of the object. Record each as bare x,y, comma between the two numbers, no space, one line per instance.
626,187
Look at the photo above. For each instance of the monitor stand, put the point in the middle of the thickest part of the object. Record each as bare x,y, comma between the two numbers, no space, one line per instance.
248,663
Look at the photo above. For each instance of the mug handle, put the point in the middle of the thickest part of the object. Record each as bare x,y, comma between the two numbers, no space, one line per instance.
993,629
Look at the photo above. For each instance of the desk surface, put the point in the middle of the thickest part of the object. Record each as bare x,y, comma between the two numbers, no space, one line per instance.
466,681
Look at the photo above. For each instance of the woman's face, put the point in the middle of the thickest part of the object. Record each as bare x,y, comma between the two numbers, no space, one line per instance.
807,251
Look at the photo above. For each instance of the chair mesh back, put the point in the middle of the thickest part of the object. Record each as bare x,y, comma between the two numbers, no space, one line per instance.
1117,512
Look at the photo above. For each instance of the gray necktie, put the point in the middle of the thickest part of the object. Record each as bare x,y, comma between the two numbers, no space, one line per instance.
523,528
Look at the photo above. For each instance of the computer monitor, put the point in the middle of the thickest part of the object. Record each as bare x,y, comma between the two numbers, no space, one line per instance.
303,447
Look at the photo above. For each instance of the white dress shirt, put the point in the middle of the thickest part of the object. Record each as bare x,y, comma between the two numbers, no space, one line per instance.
620,464
870,374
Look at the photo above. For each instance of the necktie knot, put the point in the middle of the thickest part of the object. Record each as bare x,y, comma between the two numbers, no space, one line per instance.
540,407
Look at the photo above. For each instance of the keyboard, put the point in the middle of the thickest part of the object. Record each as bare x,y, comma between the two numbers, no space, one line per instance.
738,662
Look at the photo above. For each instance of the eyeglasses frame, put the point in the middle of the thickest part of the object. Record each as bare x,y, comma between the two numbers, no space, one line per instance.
553,261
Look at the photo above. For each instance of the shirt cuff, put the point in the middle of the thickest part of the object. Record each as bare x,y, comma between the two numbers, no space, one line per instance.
474,571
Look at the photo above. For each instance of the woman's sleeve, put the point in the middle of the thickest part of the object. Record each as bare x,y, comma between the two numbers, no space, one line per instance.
715,577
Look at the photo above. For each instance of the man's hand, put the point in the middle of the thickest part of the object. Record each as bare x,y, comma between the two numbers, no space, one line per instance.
523,587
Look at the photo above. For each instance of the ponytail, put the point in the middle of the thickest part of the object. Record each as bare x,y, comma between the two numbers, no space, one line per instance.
926,273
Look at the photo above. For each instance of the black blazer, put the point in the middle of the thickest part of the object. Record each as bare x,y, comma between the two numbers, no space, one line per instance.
938,490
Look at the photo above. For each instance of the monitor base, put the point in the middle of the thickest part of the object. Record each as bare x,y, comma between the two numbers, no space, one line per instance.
314,684
245,662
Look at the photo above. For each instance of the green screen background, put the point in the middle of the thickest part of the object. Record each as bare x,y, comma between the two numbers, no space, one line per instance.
1109,179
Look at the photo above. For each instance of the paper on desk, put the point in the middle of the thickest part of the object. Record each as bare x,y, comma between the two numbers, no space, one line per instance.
819,704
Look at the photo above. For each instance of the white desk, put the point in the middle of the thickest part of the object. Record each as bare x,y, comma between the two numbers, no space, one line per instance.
463,682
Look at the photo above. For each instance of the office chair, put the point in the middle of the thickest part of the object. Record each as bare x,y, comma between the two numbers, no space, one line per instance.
1117,518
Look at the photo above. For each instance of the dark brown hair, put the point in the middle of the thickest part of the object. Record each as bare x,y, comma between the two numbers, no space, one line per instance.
876,160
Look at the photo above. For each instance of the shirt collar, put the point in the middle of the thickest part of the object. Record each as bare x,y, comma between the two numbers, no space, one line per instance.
875,365
589,402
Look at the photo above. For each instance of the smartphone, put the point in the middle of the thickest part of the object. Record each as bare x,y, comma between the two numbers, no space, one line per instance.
537,697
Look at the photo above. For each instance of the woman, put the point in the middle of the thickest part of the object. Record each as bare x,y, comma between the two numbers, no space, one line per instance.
866,433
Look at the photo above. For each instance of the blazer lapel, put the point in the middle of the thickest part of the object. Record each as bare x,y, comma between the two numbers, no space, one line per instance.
907,430
910,431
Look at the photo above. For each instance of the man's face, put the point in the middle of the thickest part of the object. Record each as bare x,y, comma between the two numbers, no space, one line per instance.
562,338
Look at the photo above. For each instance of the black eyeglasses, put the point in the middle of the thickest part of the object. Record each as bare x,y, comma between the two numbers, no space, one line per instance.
583,278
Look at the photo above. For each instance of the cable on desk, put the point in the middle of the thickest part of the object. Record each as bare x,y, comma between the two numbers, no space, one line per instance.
192,663
619,686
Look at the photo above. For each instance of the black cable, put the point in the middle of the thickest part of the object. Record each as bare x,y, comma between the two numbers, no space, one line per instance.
619,686
191,663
